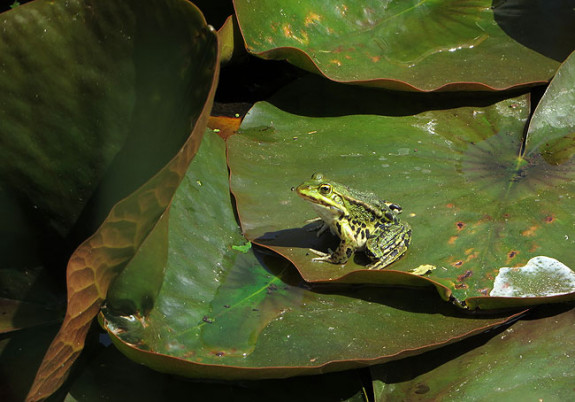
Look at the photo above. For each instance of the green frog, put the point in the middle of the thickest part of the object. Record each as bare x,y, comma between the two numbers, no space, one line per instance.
361,220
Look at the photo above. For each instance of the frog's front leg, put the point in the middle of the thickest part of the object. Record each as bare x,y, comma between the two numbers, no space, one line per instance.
319,225
339,256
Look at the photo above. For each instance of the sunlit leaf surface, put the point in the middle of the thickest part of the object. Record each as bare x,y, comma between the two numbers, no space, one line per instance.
414,45
478,196
191,304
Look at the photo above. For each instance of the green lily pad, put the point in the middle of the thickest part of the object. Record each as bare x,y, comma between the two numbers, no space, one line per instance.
192,305
414,45
478,194
530,360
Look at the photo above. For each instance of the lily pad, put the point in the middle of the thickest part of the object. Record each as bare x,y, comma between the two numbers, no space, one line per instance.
112,376
532,359
478,193
414,45
99,100
192,305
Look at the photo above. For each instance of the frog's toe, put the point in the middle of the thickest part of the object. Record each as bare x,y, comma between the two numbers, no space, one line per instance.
322,256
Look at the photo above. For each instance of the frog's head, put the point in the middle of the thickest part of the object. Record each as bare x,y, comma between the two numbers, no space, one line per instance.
323,193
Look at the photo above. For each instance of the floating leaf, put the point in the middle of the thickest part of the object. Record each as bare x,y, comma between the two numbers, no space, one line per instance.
414,45
532,359
111,376
477,194
189,304
116,89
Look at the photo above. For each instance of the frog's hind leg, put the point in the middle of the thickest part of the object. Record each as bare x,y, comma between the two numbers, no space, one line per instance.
390,249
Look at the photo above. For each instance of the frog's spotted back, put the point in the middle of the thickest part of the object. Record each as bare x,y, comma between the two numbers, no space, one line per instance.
361,220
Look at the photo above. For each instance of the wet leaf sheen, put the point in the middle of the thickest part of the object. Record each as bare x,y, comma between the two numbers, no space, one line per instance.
205,309
477,195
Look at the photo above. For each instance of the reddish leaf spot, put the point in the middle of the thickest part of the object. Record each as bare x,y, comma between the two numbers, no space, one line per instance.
452,240
461,286
549,219
375,59
530,232
450,205
533,248
457,263
464,276
512,254
421,389
311,18
460,225
484,291
336,62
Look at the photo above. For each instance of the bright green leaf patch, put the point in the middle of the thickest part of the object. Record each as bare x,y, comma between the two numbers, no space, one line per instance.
190,304
476,198
244,248
421,45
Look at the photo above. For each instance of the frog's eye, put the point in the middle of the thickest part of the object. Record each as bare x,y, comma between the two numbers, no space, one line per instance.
325,189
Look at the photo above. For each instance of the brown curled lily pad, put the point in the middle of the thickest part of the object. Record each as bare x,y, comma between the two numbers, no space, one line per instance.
104,104
480,190
414,45
190,303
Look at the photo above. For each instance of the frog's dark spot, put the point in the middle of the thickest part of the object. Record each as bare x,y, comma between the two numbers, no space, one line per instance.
407,238
549,219
363,225
348,252
464,276
367,233
395,207
389,215
460,225
512,253
372,218
338,227
394,252
363,234
358,230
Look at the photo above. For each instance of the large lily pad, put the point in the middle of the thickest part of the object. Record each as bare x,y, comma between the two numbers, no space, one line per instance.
414,45
532,359
479,194
112,376
98,102
194,303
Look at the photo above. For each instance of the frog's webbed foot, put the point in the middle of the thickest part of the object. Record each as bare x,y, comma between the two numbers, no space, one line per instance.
323,257
339,256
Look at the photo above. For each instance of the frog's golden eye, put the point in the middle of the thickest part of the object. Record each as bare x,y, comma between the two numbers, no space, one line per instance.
325,189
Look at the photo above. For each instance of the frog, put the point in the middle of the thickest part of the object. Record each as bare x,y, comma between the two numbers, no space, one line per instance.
362,221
